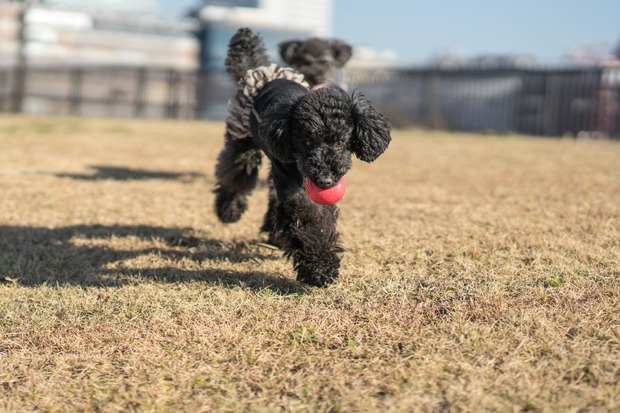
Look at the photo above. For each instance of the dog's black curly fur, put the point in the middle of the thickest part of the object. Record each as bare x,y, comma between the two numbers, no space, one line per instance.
304,134
315,58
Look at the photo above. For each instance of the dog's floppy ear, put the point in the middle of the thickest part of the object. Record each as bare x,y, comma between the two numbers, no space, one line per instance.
371,135
275,130
288,50
341,51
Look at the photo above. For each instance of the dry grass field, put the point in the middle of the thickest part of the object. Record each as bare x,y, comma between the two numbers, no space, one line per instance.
482,273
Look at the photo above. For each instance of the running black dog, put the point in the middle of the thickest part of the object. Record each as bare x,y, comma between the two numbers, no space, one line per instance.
305,134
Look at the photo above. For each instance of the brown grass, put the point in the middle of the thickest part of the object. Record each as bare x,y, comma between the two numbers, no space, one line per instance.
482,274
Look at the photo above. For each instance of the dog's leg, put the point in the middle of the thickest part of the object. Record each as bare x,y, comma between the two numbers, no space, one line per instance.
237,174
308,235
269,223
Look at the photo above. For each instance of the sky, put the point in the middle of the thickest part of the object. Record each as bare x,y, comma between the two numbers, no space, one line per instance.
417,30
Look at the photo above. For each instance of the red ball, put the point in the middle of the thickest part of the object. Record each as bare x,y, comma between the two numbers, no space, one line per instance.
325,196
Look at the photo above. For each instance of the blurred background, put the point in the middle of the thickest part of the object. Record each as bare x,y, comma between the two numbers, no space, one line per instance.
541,68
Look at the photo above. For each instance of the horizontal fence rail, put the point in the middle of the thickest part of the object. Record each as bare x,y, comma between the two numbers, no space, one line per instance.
577,102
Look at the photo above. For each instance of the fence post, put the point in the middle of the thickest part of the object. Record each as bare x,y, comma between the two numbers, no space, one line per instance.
173,94
432,117
75,92
3,87
19,86
22,61
551,106
140,88
195,76
202,91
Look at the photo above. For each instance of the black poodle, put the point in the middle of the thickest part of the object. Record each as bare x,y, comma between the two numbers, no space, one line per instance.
305,134
315,58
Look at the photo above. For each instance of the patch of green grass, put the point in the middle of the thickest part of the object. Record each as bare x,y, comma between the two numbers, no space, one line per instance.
555,280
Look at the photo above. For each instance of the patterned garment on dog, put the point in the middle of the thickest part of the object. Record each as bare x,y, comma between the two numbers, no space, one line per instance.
240,106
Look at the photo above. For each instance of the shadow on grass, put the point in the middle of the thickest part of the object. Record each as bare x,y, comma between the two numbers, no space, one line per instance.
128,174
82,255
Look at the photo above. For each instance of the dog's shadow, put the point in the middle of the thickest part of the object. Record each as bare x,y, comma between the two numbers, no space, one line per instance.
82,255
102,172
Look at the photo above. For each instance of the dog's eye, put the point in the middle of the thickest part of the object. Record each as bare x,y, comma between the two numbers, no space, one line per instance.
339,144
308,144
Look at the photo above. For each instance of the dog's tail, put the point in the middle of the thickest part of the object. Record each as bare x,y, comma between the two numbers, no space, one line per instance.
245,51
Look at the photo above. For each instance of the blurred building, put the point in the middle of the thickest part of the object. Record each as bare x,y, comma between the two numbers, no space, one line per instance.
143,6
94,33
9,33
275,20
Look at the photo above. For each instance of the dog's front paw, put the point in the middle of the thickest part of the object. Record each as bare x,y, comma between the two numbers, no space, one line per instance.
229,206
319,274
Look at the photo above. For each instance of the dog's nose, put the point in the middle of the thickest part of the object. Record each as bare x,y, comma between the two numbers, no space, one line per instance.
325,182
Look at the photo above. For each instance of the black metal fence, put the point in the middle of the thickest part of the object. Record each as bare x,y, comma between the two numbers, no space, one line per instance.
543,102
103,92
535,102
